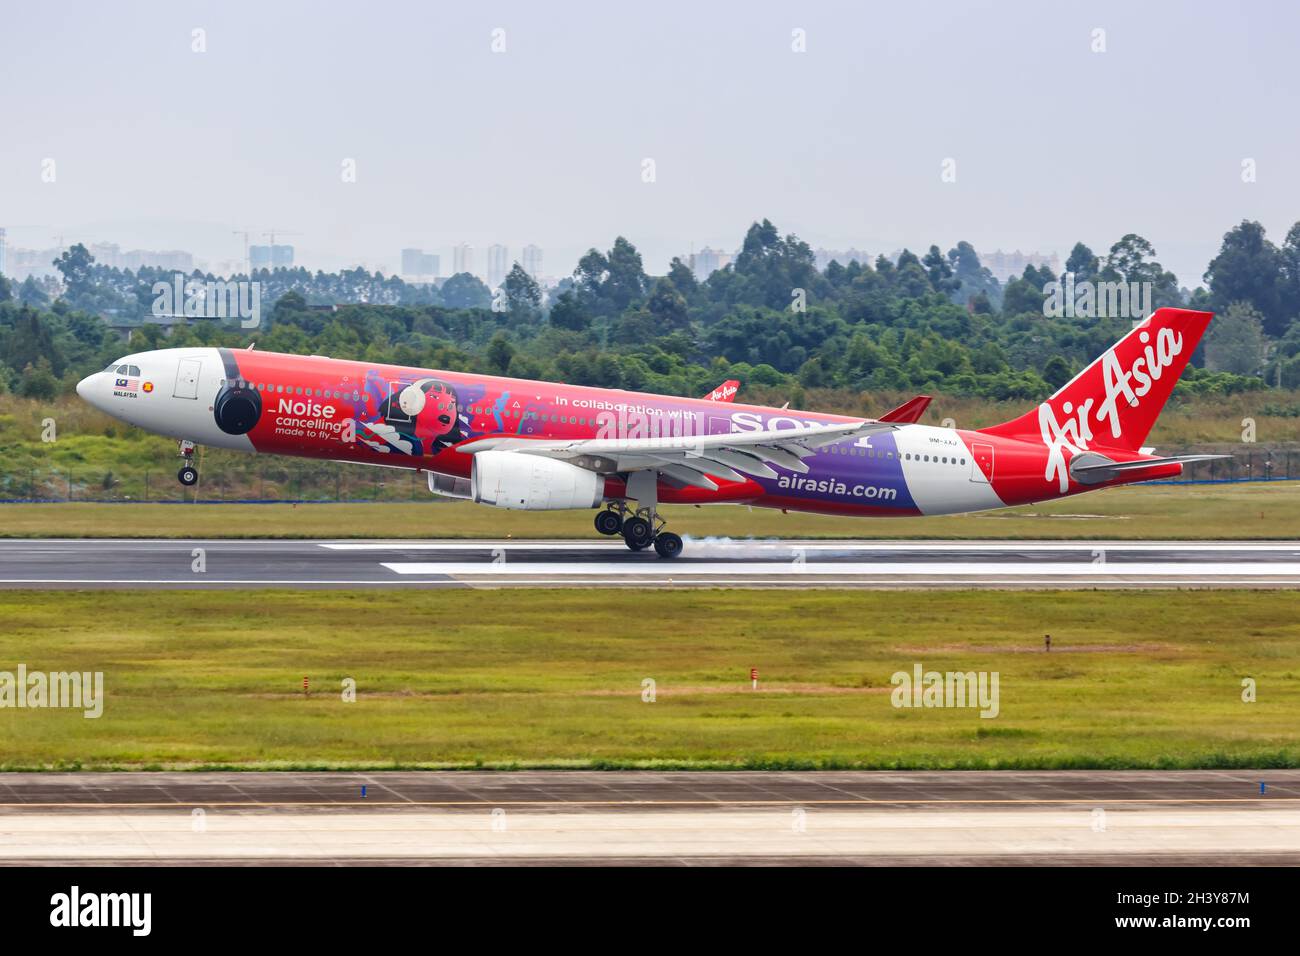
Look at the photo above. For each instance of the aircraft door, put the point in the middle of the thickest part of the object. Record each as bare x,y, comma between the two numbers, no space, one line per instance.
981,468
187,378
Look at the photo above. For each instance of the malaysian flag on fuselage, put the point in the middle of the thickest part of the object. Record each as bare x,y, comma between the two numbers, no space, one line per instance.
127,383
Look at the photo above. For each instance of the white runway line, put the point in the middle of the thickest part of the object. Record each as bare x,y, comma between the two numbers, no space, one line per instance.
682,569
743,547
731,833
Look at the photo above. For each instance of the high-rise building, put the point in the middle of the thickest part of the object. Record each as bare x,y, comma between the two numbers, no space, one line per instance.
420,265
2,252
462,259
498,258
531,260
708,261
270,257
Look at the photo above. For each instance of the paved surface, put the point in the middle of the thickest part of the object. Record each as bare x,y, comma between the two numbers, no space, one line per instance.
889,818
98,563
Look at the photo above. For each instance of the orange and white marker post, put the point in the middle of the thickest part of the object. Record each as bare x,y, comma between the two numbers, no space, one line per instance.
753,677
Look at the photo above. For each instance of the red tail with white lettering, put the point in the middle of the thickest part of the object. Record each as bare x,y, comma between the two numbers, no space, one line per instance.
1114,402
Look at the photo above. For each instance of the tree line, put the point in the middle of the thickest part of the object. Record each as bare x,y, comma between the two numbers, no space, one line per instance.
935,322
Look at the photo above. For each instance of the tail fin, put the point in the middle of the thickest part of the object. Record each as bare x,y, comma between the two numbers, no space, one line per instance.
724,392
1114,402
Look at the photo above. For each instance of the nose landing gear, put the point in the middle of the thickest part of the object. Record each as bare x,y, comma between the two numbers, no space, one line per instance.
188,475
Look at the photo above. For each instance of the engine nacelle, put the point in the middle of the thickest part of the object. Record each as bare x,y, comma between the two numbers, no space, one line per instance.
508,479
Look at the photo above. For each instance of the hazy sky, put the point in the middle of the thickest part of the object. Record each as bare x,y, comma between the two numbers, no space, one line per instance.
156,146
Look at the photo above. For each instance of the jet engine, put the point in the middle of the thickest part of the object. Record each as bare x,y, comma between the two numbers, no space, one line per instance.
522,482
237,408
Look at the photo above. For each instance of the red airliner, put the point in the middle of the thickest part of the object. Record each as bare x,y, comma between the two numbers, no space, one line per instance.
530,445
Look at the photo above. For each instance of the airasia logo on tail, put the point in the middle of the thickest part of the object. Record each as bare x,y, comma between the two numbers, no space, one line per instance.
1131,384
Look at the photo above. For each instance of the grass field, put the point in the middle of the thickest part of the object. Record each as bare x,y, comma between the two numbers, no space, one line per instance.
537,678
1261,510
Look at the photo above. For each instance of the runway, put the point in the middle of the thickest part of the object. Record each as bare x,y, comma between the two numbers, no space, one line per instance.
233,563
685,818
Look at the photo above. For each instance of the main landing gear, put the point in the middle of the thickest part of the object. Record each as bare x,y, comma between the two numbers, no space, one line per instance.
640,529
188,475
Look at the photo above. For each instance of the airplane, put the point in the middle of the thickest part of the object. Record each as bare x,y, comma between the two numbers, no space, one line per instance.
529,445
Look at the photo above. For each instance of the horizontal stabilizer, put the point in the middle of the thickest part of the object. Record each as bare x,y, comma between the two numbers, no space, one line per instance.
1088,470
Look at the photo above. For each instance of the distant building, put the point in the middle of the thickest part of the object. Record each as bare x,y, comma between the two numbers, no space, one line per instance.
270,257
462,258
498,264
2,252
21,263
825,257
1011,265
420,265
708,261
531,260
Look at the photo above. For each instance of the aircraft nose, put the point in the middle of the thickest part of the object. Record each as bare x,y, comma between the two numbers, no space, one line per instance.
83,387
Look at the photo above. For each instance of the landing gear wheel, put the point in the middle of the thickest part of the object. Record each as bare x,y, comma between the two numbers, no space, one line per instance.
188,475
668,545
637,533
609,522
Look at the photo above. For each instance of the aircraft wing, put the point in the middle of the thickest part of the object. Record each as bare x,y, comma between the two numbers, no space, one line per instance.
909,413
692,459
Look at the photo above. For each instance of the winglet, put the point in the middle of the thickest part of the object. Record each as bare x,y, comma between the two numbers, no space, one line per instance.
910,412
725,392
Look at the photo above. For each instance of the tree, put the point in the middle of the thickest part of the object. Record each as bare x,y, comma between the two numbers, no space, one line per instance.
1249,268
523,294
1024,295
465,291
31,293
972,277
940,272
683,279
500,353
6,290
30,343
38,381
1132,259
1082,263
1290,280
1057,372
1236,342
668,307
567,313
627,280
75,264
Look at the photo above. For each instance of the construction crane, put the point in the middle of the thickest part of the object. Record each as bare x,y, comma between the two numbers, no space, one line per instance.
248,266
272,234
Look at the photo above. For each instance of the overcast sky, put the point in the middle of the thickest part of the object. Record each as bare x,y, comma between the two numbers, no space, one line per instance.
156,146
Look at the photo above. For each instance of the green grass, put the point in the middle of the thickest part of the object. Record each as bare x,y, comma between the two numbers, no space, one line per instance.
537,678
1263,510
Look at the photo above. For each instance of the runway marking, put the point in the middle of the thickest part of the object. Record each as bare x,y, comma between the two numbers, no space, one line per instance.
784,545
689,568
719,804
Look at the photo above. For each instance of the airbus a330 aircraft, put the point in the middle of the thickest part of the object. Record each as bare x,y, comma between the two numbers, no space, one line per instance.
540,445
